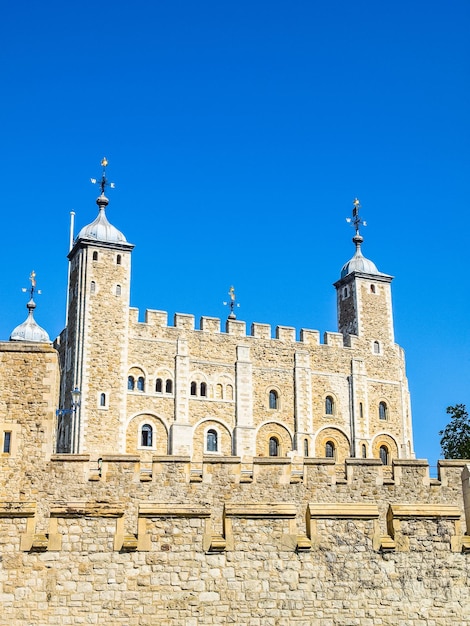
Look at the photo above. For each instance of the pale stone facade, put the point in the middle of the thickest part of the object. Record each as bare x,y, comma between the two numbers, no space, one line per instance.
192,486
245,392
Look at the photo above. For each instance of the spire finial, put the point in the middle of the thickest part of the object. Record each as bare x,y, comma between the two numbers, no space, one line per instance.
103,183
232,303
32,290
356,220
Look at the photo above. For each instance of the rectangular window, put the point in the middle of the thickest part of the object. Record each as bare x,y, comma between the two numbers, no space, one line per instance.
6,442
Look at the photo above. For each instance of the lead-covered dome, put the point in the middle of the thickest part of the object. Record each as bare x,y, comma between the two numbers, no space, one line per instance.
359,263
101,229
30,330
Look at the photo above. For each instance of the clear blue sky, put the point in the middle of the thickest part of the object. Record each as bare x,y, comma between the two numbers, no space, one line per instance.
238,134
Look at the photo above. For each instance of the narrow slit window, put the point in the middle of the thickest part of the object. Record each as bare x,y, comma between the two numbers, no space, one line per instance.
273,446
118,259
376,347
330,450
7,442
305,447
364,451
169,386
118,290
95,256
203,389
158,385
92,287
211,441
273,399
146,436
193,389
382,411
383,452
329,405
102,399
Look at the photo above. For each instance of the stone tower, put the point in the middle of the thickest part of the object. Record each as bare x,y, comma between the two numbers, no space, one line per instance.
365,319
364,297
94,344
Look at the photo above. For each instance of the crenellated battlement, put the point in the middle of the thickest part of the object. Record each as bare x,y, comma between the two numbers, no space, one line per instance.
305,496
155,320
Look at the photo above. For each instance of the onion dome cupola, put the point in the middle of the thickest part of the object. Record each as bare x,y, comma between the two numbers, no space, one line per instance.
101,230
30,330
363,294
359,263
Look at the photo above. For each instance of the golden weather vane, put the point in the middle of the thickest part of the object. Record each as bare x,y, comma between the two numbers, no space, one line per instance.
356,220
232,303
103,183
32,289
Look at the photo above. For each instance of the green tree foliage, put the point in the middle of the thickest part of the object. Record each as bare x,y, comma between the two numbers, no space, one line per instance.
455,438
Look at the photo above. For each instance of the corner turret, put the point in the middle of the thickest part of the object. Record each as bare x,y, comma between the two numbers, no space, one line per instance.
363,294
30,330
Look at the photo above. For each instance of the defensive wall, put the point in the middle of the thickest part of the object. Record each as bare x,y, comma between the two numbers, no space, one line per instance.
278,541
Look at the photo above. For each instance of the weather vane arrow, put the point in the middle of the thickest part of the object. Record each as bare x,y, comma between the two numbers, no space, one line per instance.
103,183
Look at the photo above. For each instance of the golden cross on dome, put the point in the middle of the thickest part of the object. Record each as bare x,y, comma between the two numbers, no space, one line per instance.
103,183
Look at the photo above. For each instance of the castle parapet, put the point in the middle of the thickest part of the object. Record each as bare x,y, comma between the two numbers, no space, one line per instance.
261,331
310,337
236,328
335,340
285,333
184,320
210,324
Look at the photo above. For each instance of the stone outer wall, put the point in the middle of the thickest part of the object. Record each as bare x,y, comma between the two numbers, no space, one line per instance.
277,542
143,538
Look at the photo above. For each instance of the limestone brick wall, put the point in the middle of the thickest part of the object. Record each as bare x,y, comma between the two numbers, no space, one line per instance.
284,541
354,376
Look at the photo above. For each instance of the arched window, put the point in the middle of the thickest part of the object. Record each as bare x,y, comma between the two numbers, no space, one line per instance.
229,392
361,410
330,450
273,446
118,259
305,447
383,453
146,436
159,385
102,399
130,383
169,386
95,256
141,383
193,389
218,391
92,287
376,347
372,288
118,290
382,411
211,441
273,401
364,451
203,389
329,405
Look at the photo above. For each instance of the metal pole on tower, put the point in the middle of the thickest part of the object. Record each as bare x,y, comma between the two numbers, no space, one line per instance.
72,223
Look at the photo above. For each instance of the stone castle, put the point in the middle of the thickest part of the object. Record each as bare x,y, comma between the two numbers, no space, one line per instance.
206,476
